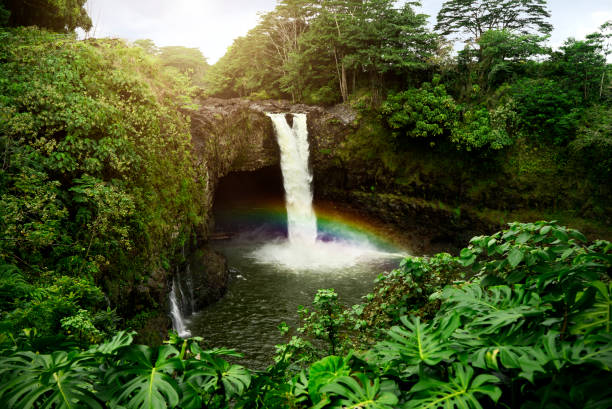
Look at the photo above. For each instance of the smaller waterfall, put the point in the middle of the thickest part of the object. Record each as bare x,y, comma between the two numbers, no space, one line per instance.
178,323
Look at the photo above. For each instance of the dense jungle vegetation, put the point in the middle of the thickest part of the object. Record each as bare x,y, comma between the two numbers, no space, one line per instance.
100,193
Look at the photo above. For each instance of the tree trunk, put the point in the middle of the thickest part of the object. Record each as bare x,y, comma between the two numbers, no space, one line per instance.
376,85
343,84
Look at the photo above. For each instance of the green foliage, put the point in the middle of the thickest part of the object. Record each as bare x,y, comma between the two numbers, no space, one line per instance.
60,380
188,61
548,109
529,328
55,15
326,371
474,17
462,390
581,66
326,320
358,391
599,316
97,183
478,131
592,148
313,50
429,112
144,380
117,373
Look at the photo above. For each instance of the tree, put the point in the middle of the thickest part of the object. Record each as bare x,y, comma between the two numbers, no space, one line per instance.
55,15
148,46
582,64
188,61
474,17
503,53
390,40
282,29
371,37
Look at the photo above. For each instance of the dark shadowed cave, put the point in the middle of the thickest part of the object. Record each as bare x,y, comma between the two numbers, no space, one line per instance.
246,201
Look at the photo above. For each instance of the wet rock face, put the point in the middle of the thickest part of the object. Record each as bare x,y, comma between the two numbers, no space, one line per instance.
235,135
210,276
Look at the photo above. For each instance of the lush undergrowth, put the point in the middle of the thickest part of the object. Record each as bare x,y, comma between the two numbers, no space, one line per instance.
98,190
520,319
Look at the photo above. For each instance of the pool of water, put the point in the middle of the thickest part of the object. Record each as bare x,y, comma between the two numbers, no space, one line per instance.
266,289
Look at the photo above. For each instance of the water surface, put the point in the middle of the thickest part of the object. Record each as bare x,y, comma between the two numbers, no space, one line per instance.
262,294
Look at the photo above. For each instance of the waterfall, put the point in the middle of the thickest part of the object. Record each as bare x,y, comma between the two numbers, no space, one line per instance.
297,180
178,323
303,251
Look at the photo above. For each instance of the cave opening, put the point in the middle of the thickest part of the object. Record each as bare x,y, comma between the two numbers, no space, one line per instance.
250,201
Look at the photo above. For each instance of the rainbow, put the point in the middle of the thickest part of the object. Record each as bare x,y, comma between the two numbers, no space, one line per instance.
333,223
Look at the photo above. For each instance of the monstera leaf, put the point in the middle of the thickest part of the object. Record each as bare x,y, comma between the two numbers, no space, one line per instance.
462,391
497,351
120,340
488,310
326,371
599,316
61,380
357,391
416,343
212,374
144,380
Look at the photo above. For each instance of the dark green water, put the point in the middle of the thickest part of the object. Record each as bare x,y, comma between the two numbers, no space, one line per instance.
261,296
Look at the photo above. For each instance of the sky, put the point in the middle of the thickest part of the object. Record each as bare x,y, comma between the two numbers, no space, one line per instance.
212,25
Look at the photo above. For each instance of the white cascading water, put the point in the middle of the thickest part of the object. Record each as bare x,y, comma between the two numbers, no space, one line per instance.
178,323
293,142
302,250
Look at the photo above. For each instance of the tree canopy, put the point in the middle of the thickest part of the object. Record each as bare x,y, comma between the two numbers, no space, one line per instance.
474,17
55,15
318,50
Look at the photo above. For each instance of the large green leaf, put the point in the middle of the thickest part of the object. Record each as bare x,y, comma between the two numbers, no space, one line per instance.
462,391
358,391
144,379
61,380
488,310
326,371
599,316
210,375
120,340
416,343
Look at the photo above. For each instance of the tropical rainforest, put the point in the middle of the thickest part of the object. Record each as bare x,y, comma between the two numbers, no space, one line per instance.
101,194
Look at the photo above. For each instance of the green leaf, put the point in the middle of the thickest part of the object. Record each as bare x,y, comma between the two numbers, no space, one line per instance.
61,380
325,371
545,229
489,311
144,380
416,343
462,391
599,316
358,391
515,256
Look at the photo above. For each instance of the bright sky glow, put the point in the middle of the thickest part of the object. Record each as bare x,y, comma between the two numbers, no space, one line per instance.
212,25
